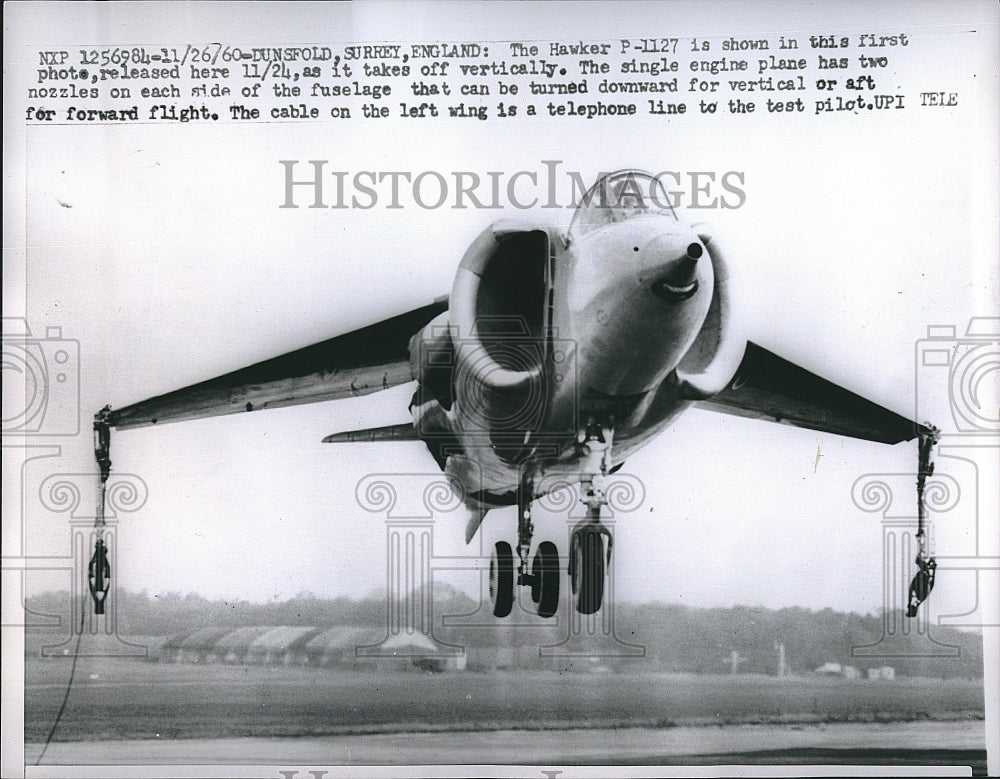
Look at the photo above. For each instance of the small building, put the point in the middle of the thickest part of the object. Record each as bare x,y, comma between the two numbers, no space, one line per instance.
883,673
829,669
850,672
406,651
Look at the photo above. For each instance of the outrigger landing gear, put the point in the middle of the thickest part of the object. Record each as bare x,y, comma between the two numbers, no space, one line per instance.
99,568
543,578
588,558
923,580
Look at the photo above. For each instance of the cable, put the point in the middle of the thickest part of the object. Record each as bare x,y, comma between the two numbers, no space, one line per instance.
99,573
69,685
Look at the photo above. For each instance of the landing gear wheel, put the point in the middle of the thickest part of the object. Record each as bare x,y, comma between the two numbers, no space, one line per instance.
545,579
587,570
502,579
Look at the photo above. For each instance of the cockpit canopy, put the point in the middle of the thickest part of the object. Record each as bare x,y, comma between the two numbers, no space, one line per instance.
618,196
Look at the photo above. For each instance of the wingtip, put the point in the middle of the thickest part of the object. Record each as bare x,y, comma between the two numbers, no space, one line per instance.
927,430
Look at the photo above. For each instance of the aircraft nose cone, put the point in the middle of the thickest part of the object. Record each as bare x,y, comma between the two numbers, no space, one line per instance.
680,281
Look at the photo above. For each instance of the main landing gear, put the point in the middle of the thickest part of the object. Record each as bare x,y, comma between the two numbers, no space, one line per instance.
544,576
588,556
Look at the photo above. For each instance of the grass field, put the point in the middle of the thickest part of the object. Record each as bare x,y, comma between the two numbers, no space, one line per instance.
132,699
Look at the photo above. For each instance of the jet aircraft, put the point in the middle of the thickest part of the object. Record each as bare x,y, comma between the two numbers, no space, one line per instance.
554,358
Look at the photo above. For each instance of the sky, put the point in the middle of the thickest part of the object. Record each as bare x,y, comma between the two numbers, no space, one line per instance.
163,252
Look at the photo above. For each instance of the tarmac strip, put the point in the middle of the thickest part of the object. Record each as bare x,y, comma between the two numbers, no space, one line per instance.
888,743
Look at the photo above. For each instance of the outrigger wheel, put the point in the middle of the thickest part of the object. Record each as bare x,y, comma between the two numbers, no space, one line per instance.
502,579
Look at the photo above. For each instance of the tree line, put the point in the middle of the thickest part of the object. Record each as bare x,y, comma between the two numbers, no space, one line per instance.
677,638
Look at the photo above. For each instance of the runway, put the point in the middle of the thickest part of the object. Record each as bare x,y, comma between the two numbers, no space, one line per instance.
898,744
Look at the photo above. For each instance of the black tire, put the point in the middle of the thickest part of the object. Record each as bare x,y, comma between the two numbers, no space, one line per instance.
587,571
545,579
502,579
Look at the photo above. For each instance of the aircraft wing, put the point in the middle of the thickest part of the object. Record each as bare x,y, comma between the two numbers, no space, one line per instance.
356,363
767,386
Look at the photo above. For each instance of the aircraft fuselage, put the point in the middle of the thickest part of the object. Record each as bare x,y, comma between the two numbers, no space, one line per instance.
633,320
